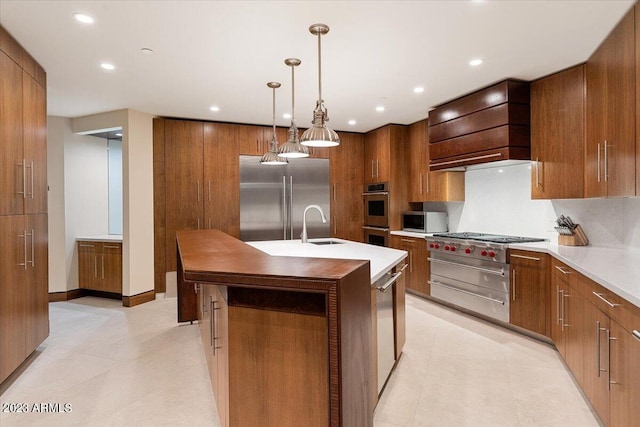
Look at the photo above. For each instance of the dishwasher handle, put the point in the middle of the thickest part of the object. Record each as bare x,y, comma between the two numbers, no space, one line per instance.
486,270
394,277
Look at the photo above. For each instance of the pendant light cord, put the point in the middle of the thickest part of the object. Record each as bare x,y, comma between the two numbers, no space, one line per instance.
274,120
293,91
319,69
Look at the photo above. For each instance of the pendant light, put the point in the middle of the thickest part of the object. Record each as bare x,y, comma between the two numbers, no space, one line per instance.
292,148
271,157
319,135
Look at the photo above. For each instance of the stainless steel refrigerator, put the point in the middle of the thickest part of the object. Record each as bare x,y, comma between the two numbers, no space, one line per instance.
273,198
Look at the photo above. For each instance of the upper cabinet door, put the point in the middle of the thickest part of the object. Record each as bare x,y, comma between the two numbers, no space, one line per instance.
557,135
418,161
254,140
611,96
35,144
12,168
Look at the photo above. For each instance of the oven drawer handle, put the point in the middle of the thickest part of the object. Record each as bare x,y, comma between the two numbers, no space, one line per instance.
486,270
376,193
636,334
368,227
433,282
390,282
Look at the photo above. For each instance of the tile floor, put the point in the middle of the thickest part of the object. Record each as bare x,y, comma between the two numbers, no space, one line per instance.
137,367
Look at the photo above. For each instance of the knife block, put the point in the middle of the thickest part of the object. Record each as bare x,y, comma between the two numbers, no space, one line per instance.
578,238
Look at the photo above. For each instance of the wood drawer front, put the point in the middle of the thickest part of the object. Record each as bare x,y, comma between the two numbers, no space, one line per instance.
527,258
616,307
111,248
508,90
89,246
504,114
560,272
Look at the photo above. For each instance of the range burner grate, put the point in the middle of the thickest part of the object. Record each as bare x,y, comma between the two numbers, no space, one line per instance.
485,237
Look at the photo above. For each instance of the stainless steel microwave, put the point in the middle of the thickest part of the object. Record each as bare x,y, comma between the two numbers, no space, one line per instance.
425,222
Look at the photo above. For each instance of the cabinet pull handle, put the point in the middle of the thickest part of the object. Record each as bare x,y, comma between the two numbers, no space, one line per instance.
334,192
24,178
378,167
606,162
609,339
23,236
103,266
598,329
212,322
95,266
513,282
601,296
209,190
32,180
198,223
636,334
210,223
404,267
564,323
33,250
560,269
111,247
537,173
198,190
421,183
598,162
557,305
372,170
527,257
82,245
428,182
410,261
408,240
335,226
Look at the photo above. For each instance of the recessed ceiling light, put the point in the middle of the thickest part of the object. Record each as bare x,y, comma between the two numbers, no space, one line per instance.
214,108
146,51
380,108
107,66
352,122
81,17
418,89
286,115
475,62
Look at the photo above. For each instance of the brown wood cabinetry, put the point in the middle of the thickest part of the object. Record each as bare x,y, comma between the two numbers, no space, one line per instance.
425,186
529,303
100,266
24,306
611,100
625,373
24,301
253,140
417,271
557,135
346,176
377,155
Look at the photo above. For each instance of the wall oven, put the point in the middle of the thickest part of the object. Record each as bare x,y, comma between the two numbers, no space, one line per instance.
376,204
378,236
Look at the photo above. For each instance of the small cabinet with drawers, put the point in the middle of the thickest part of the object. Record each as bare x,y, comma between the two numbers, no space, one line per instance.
100,266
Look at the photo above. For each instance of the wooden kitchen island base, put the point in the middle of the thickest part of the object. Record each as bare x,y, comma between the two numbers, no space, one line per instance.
288,340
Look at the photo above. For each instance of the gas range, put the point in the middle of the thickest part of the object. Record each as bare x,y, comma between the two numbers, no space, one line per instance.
475,245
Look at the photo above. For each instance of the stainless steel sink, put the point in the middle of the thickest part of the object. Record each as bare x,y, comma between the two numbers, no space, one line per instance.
326,242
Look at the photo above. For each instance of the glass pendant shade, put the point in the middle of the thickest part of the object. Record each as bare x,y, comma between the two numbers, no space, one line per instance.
271,157
320,135
292,148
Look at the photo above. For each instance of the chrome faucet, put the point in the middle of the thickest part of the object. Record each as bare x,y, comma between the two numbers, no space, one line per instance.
303,236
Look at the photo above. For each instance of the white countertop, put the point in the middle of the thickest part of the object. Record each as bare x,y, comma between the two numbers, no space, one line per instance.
617,269
102,238
380,258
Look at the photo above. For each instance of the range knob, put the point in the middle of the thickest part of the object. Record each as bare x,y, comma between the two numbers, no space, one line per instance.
437,246
431,245
492,254
447,247
453,249
483,253
468,251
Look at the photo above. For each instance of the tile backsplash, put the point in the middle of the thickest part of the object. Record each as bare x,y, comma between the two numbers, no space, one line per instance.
498,200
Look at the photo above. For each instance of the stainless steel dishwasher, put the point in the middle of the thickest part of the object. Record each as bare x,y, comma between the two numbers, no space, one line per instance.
386,342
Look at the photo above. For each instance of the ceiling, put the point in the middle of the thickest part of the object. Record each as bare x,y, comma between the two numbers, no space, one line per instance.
223,53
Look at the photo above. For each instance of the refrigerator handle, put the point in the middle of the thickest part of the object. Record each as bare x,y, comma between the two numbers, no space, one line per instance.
284,208
291,205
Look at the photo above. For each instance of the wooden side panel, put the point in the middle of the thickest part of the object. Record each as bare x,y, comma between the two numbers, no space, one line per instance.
13,291
11,47
557,135
399,313
529,290
418,161
398,174
12,173
159,207
35,144
625,372
346,176
184,181
285,355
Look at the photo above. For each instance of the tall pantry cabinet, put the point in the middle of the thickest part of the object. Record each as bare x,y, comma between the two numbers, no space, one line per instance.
24,315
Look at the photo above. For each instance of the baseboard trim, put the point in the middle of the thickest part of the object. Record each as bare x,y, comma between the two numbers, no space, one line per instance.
133,300
67,295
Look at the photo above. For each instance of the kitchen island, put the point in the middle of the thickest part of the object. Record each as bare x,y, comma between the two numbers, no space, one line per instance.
289,341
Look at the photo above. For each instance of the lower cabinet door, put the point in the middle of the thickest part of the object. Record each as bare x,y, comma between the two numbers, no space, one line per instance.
625,376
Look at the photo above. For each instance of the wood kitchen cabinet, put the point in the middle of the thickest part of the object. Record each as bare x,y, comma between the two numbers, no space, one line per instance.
557,135
346,178
625,373
100,266
610,150
418,271
529,305
253,140
24,308
425,186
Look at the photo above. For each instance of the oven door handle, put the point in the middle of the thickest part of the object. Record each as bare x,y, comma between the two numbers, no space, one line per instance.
376,193
368,227
433,282
486,270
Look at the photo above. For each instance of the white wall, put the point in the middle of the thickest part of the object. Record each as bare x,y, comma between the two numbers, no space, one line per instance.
115,186
78,202
498,200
